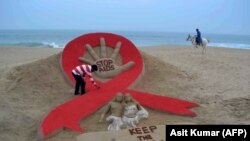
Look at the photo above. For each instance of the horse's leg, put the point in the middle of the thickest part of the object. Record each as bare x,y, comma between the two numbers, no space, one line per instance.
193,50
203,49
193,45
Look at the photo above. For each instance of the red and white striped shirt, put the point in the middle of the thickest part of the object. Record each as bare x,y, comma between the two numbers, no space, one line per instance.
83,70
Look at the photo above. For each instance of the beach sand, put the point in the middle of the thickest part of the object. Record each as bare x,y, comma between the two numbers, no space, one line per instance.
32,84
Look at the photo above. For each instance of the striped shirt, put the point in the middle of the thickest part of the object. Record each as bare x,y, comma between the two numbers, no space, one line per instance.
84,70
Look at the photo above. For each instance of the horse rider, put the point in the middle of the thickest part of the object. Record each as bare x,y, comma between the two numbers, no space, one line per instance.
198,37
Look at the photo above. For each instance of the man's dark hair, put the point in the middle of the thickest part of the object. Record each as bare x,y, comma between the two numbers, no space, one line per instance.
94,68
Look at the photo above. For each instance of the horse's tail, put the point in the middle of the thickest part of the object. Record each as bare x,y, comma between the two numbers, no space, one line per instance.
208,40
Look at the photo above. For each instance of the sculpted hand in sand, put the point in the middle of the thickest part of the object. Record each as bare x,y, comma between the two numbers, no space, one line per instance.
107,67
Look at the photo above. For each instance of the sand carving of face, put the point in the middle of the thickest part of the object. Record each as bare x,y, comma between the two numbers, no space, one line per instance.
119,97
127,98
109,66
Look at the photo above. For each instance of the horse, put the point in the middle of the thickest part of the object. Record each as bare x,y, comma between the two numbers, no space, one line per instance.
203,44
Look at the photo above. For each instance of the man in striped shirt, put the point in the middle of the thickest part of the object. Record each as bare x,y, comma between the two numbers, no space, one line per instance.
79,73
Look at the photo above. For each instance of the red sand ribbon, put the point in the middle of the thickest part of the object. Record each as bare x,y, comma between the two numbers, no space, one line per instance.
69,114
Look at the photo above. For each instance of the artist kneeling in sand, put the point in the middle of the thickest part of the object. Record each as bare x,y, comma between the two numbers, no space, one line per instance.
124,112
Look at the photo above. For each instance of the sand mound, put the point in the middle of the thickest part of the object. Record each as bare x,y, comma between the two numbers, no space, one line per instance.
31,90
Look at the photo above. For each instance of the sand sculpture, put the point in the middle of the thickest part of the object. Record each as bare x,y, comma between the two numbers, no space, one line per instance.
118,75
115,111
133,112
107,67
123,112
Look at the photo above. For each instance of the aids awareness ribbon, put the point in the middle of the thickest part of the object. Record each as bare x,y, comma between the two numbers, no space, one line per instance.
69,114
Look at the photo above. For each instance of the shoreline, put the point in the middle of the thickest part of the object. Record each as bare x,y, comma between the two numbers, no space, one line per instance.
60,38
139,46
150,46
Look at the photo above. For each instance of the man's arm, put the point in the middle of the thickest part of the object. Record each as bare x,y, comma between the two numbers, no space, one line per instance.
92,80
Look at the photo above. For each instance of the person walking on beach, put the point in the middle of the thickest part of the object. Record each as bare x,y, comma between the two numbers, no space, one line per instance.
79,74
198,37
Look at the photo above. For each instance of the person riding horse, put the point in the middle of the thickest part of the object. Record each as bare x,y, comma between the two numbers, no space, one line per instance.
198,37
198,41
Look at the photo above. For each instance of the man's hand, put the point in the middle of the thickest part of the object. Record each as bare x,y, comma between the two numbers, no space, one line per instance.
98,87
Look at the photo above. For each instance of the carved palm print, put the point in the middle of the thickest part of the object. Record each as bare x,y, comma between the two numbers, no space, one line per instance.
107,67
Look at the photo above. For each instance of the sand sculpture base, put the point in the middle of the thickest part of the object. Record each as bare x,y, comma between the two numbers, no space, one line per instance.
69,114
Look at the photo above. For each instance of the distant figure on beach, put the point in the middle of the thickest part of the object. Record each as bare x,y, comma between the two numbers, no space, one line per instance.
79,74
198,37
197,40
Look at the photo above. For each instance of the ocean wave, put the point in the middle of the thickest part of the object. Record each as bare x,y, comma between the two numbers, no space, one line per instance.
53,45
33,44
230,45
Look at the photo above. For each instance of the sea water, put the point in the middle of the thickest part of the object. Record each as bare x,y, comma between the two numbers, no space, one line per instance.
59,38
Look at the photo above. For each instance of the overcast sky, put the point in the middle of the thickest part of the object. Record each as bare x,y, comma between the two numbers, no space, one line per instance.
211,16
